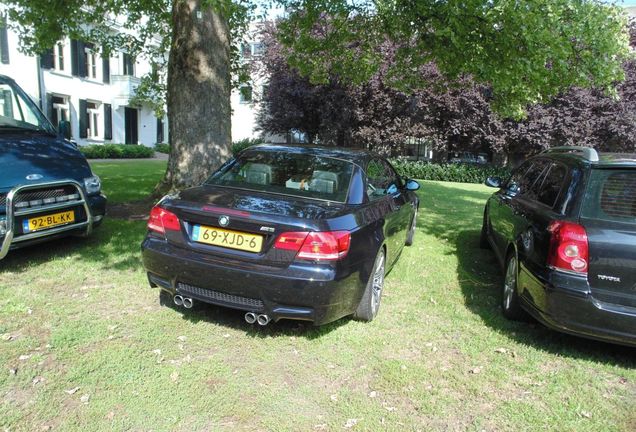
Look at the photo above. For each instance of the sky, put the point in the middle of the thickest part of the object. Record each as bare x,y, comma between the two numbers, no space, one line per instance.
629,3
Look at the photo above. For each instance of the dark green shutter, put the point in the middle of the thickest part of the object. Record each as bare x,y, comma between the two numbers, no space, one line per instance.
4,41
159,130
78,58
105,66
46,59
82,114
108,122
49,109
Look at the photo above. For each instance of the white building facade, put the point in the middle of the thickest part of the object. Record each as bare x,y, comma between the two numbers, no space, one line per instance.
76,83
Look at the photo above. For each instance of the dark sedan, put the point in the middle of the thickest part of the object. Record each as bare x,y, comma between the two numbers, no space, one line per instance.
305,233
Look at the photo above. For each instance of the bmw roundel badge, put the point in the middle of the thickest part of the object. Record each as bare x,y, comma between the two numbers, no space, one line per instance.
224,221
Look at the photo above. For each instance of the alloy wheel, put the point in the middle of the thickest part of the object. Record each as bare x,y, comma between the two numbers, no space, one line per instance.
510,283
378,283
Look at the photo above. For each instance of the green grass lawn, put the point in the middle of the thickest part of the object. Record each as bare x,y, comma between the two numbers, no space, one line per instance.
129,180
86,346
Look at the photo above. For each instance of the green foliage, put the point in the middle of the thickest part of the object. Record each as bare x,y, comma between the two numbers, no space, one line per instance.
462,173
527,51
162,148
240,145
116,151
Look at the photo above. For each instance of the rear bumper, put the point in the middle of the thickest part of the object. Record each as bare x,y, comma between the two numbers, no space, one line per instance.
91,209
316,293
569,306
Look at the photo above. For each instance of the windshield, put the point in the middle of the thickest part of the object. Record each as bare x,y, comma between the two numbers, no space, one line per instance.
17,111
295,174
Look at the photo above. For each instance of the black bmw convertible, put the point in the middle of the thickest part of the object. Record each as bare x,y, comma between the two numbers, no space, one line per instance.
281,232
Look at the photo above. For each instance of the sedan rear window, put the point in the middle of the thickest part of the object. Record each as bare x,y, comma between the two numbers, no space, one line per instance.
295,174
611,196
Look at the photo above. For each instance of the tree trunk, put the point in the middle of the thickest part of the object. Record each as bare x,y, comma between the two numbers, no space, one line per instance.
199,111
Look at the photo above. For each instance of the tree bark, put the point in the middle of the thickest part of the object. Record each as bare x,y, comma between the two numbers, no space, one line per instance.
199,111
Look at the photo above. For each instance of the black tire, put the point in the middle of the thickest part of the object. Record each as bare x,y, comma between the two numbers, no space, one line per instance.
411,233
483,237
510,303
370,303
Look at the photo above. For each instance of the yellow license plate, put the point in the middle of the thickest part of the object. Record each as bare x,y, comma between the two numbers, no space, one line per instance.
226,238
48,221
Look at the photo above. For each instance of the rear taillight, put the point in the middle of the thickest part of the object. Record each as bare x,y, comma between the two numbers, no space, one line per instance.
569,248
161,220
328,245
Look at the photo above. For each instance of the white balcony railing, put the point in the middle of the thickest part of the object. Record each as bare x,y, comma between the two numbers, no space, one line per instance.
125,87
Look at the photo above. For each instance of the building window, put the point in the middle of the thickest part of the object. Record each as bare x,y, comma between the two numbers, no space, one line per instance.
91,62
58,56
92,119
129,64
245,93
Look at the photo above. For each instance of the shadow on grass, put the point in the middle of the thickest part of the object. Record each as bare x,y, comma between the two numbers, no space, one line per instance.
456,218
113,245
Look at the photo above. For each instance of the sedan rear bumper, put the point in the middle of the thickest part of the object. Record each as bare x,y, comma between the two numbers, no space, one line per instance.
310,292
569,306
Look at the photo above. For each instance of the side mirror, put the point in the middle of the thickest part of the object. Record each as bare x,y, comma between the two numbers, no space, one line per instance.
64,129
412,185
494,182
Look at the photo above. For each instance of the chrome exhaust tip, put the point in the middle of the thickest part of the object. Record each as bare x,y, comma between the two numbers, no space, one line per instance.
178,300
263,319
250,317
188,302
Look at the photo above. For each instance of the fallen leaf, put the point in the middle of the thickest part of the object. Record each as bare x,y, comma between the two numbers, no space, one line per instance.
24,357
72,391
7,337
475,370
37,380
226,335
501,350
586,414
13,371
373,394
182,338
157,351
334,398
350,423
85,398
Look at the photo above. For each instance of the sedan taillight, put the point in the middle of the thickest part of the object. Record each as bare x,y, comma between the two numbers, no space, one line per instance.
569,249
161,220
318,246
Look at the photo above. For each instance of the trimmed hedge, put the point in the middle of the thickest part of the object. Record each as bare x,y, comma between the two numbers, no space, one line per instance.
462,173
240,145
116,151
162,148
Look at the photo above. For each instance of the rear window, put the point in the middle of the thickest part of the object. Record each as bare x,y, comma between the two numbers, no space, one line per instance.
611,196
287,173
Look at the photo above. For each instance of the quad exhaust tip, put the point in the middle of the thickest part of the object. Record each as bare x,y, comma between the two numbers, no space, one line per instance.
261,319
178,300
186,302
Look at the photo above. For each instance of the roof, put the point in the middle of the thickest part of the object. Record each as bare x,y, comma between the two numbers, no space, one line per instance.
589,156
357,156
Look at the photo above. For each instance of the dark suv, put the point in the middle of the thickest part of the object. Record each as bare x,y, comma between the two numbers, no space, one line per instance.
563,227
47,189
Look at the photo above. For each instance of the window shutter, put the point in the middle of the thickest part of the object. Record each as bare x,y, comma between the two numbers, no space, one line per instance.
46,59
83,113
51,113
4,41
106,66
108,122
159,130
78,58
